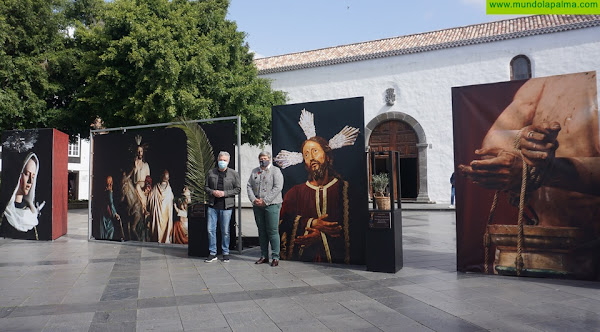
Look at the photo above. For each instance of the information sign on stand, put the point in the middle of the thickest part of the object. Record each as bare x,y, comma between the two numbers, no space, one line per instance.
198,211
382,220
384,236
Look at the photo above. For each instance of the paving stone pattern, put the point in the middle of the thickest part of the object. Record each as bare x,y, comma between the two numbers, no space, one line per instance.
77,285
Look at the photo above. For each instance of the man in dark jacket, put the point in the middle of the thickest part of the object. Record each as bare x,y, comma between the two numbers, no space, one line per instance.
222,184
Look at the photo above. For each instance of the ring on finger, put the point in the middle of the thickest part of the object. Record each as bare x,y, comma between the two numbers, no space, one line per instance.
530,134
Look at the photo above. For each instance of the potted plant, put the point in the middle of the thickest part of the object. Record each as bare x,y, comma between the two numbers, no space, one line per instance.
379,182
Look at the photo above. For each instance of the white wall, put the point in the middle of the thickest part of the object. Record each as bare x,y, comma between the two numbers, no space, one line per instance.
423,83
83,168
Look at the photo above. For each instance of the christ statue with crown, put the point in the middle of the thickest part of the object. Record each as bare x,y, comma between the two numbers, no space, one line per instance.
314,218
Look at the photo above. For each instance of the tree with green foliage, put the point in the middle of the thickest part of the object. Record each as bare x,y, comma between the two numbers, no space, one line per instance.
153,61
33,44
130,62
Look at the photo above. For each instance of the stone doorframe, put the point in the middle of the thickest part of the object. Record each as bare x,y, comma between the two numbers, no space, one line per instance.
423,196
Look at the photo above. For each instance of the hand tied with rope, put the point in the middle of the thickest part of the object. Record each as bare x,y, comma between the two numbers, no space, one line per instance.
531,180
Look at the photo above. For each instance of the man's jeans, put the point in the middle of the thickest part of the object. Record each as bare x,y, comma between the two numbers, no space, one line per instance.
223,217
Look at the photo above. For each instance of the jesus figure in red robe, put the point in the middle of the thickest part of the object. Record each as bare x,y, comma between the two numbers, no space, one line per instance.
314,215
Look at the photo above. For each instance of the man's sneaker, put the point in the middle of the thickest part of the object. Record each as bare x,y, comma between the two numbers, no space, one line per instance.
225,258
210,258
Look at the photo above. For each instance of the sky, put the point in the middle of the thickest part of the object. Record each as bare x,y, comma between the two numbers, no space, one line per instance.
275,27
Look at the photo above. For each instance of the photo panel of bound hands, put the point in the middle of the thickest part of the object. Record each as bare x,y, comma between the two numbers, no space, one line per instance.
552,126
545,142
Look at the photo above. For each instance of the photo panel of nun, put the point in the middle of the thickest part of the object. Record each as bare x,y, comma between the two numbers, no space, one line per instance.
33,199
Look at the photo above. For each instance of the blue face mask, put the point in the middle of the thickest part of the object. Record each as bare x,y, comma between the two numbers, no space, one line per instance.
222,164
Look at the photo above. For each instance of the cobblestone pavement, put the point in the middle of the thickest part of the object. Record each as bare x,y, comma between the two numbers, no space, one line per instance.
73,284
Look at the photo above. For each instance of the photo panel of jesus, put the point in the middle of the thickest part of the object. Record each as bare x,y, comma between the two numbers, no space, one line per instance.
314,218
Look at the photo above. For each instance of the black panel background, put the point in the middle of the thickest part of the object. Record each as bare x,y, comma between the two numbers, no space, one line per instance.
350,161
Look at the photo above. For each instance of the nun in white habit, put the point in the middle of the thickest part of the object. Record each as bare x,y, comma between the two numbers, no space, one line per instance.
22,211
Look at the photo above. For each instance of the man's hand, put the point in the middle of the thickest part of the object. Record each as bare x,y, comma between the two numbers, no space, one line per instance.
310,238
259,202
538,143
218,193
498,169
330,228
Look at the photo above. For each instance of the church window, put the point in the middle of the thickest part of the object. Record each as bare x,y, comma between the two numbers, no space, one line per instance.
520,68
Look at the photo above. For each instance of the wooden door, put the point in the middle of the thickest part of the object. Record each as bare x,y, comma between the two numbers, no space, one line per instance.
395,135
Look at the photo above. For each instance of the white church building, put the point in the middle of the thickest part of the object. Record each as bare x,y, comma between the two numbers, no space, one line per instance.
406,83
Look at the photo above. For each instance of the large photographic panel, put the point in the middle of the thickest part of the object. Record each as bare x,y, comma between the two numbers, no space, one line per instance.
26,199
127,167
320,148
139,190
552,124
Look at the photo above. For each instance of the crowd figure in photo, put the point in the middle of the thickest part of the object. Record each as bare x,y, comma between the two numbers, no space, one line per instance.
180,227
149,208
161,210
135,193
110,217
140,171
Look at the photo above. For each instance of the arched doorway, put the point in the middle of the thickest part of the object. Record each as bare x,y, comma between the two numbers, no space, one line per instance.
395,135
395,131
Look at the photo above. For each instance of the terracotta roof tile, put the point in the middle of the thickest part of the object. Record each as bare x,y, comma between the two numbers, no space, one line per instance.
427,41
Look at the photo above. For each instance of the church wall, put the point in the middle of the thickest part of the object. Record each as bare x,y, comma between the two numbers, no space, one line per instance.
423,82
83,167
